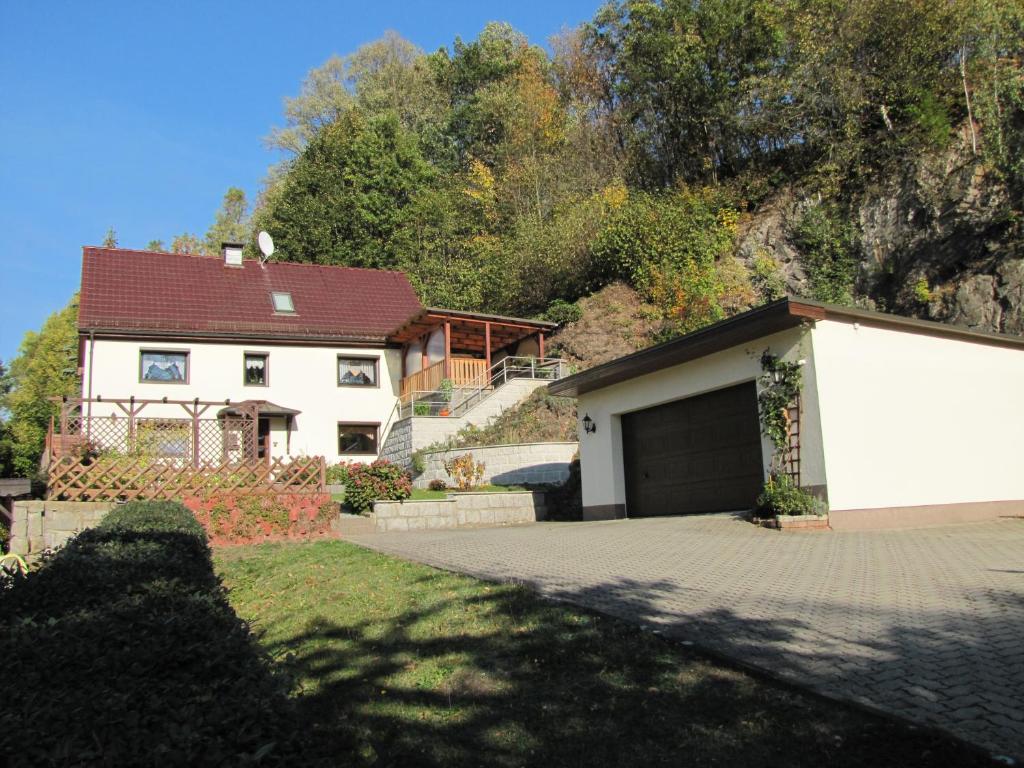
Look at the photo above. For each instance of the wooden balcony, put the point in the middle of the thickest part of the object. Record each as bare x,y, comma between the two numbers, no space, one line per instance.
462,371
469,342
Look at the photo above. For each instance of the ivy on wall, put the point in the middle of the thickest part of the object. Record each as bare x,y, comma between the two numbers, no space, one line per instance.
781,383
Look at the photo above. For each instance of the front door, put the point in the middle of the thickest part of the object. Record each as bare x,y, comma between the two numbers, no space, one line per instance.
263,438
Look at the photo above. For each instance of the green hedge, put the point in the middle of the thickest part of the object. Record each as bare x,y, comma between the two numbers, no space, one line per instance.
121,649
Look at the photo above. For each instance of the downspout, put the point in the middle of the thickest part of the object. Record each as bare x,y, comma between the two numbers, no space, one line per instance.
88,420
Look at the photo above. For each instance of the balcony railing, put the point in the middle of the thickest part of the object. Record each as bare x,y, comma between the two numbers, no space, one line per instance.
462,371
431,402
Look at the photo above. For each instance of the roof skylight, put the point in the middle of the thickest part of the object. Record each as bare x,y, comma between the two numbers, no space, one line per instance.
282,301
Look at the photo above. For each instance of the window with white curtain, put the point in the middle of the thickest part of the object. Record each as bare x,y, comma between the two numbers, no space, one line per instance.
357,371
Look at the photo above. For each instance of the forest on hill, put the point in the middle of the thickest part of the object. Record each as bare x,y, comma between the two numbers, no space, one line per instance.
710,154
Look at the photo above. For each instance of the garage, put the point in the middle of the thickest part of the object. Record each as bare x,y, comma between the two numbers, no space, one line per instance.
899,422
698,454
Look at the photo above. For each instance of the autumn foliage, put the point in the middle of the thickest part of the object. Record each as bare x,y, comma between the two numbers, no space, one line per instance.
245,518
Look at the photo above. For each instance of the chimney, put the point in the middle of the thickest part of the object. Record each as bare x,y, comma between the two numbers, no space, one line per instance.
232,254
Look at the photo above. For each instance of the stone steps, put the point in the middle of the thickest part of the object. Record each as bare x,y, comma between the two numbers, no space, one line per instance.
414,432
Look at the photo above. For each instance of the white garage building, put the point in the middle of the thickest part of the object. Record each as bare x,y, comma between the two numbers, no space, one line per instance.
901,422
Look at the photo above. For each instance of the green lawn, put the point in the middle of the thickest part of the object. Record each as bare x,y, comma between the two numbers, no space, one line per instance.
425,494
398,664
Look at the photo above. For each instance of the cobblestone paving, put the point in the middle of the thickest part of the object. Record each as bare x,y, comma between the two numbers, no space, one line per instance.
925,623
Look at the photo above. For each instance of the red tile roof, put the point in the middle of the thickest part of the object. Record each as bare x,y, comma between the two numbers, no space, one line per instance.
125,290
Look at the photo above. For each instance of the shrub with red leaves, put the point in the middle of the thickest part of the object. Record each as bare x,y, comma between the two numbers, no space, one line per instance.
245,518
379,481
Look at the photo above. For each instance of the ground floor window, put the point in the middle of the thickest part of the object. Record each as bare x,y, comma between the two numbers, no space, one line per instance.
357,438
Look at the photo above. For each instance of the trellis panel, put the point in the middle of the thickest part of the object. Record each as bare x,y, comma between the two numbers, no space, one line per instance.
127,478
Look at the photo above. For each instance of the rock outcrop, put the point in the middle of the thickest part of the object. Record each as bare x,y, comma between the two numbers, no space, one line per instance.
940,240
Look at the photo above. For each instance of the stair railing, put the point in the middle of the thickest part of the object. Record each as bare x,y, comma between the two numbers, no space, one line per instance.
464,398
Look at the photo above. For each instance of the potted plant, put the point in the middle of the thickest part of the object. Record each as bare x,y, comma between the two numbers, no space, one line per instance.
445,390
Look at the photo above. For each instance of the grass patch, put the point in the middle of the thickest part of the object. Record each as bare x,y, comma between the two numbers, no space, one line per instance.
400,664
425,494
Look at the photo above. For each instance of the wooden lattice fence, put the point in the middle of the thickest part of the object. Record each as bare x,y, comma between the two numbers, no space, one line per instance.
170,453
85,478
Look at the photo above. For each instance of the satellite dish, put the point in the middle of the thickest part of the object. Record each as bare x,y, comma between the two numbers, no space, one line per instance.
266,243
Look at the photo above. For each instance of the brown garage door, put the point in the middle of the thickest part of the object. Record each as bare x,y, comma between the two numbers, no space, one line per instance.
701,454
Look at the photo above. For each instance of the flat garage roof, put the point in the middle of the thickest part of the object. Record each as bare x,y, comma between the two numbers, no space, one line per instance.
754,324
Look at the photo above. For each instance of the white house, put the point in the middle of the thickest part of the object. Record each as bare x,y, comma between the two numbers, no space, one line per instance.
330,358
901,422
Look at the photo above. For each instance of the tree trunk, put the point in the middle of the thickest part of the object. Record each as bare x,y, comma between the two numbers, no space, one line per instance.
967,97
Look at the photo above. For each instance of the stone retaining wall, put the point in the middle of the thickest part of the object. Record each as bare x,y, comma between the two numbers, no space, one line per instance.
459,510
412,433
397,446
39,525
520,464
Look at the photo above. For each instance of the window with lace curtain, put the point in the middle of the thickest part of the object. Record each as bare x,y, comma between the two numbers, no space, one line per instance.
254,369
357,371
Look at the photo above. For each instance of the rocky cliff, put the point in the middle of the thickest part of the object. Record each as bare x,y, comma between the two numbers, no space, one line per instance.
940,238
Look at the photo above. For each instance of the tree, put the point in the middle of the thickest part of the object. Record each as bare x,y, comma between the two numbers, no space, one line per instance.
393,76
390,75
992,79
347,198
46,366
6,439
532,125
155,245
445,248
231,223
186,242
869,79
322,99
688,79
474,123
110,239
594,145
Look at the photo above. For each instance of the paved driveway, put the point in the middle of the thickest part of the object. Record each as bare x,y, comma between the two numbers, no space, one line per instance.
926,623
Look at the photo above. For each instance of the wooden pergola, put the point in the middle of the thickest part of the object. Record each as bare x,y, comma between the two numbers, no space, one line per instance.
470,340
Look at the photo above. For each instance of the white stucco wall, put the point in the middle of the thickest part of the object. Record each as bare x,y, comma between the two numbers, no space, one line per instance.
303,378
911,420
601,452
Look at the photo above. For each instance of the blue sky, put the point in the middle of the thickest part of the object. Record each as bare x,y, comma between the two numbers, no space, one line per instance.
139,115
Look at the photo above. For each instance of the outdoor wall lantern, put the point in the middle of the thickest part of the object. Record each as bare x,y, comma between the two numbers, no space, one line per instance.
588,425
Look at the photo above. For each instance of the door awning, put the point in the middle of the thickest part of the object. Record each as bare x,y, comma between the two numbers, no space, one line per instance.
263,407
